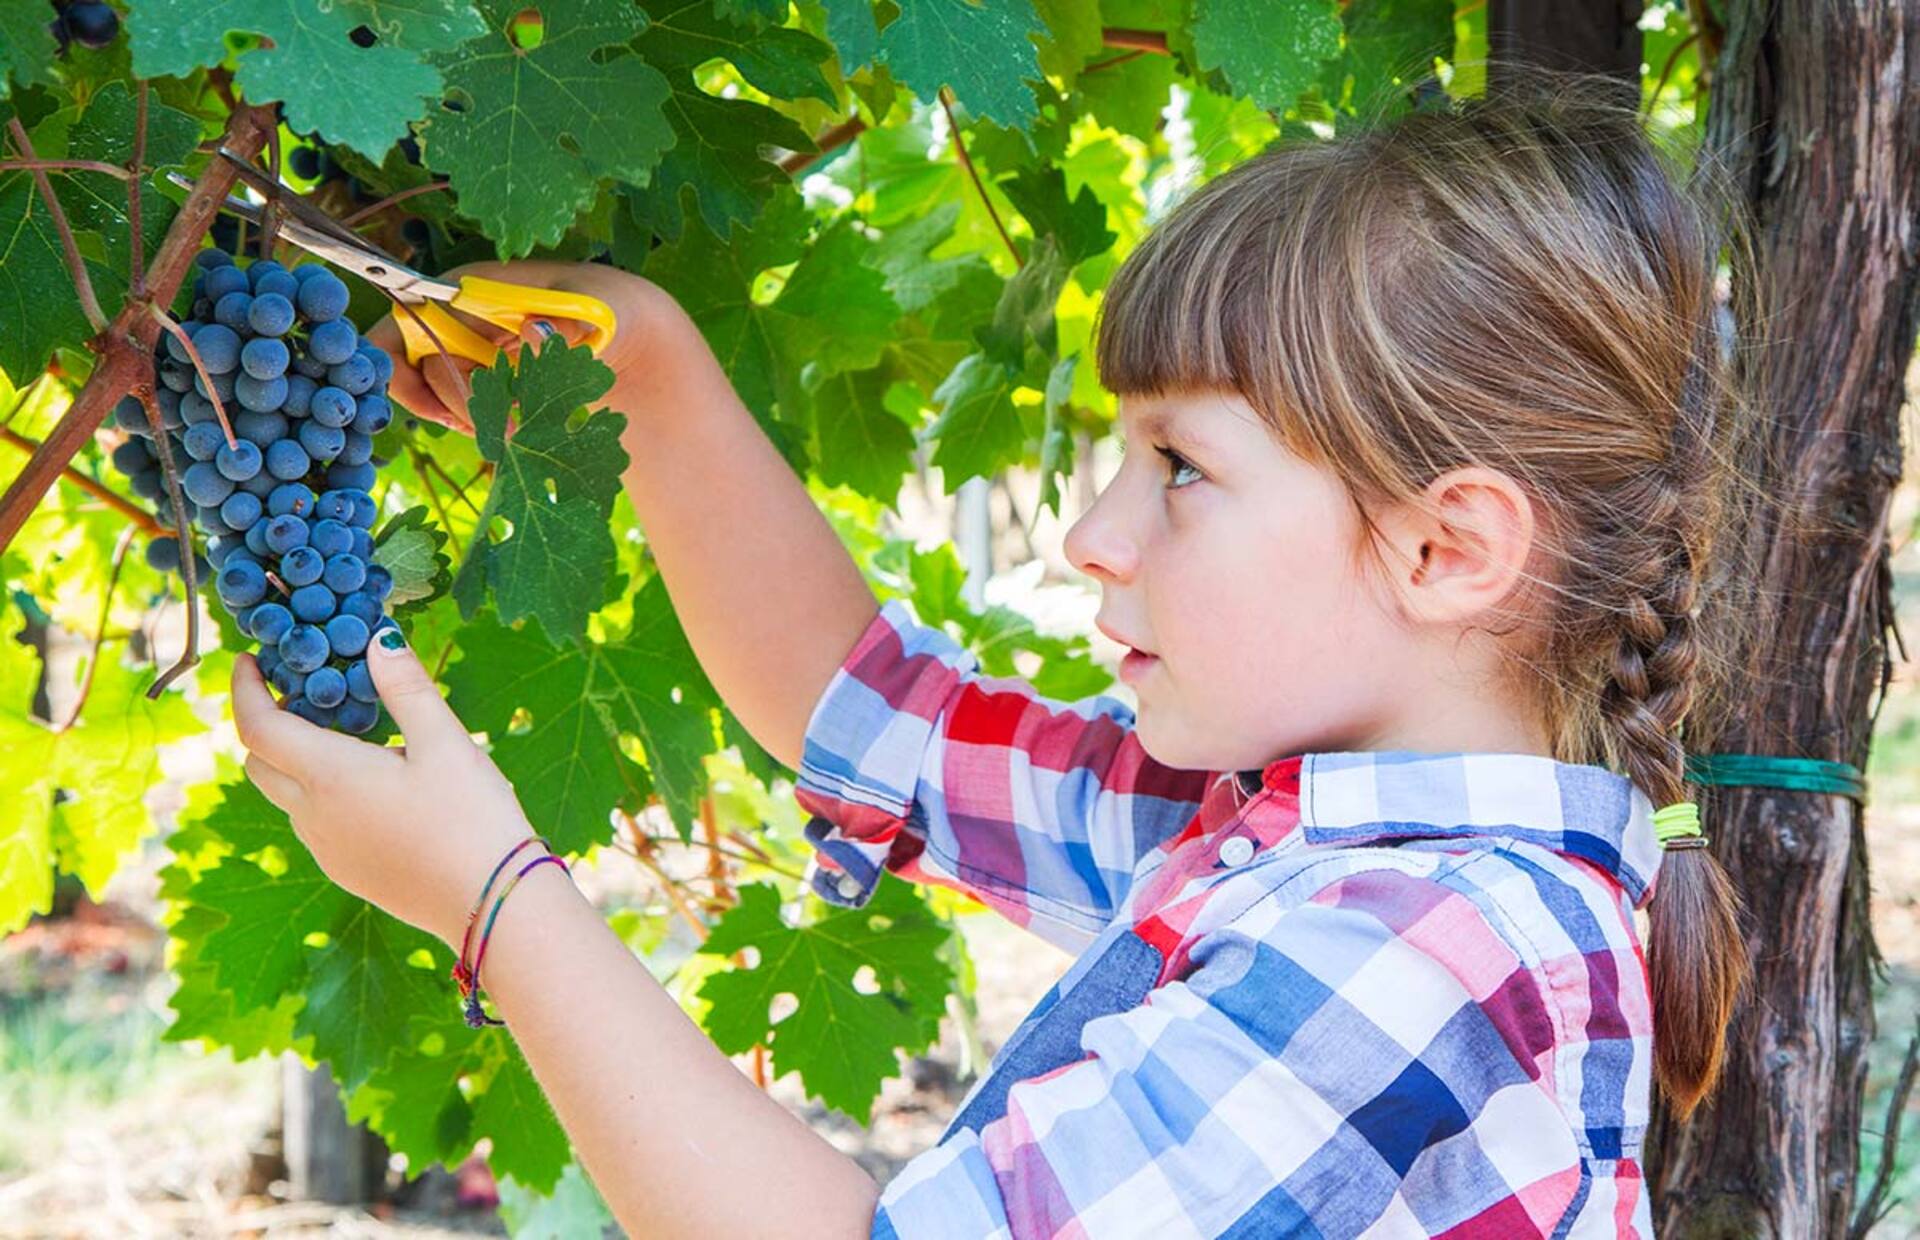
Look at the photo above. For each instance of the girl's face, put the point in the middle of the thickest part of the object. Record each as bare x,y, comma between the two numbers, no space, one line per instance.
1233,562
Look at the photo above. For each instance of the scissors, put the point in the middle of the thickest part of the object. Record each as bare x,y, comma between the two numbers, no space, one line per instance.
503,304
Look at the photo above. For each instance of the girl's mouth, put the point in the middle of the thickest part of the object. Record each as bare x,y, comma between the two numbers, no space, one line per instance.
1135,664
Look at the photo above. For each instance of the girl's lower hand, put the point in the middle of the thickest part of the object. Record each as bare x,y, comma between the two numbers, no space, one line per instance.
414,830
437,387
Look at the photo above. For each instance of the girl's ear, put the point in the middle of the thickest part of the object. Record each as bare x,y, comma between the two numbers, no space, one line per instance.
1467,547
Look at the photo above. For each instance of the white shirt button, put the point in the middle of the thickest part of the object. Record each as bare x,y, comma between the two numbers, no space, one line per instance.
1237,850
847,885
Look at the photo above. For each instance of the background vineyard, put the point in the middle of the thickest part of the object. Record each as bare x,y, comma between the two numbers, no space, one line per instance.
892,222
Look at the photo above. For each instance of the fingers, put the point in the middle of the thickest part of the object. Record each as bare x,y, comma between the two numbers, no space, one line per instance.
408,390
447,378
410,695
281,738
276,785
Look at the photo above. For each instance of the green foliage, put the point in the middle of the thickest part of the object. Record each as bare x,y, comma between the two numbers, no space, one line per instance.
882,308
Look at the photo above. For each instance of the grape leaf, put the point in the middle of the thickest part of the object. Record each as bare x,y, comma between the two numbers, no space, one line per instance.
1079,227
362,987
978,429
575,1208
528,1142
101,767
26,44
860,443
982,50
537,128
838,1039
410,548
1390,38
717,154
752,12
1073,37
577,702
38,307
423,25
684,34
361,96
257,949
555,485
855,35
1269,51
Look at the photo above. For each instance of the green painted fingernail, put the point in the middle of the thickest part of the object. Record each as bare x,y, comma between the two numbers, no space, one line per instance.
392,639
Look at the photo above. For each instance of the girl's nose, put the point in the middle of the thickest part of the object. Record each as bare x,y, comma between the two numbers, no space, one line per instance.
1098,545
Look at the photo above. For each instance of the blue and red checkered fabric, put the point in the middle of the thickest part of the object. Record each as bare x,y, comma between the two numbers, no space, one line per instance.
1350,994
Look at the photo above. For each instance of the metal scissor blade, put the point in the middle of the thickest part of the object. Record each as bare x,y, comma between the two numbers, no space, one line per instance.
324,237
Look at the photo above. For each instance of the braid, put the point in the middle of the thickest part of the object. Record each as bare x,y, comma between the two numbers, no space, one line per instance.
1697,957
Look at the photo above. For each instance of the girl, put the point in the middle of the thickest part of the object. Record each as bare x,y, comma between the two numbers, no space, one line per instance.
1431,446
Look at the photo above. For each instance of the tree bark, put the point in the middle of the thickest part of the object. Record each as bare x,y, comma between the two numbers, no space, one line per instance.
1815,113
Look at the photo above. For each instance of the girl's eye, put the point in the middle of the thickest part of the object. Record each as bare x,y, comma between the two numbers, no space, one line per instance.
1178,463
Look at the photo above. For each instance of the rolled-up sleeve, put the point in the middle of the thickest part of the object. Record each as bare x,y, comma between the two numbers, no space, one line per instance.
916,763
1319,1073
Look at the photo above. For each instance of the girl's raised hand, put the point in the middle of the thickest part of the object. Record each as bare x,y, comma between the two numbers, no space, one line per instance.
414,830
437,387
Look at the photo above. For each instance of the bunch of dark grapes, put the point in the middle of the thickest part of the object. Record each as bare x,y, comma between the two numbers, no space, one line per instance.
287,503
86,22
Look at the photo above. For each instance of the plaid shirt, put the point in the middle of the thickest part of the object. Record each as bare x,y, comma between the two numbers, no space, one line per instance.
1380,994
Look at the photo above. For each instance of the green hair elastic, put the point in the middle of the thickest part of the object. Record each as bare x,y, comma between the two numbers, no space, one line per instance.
1678,826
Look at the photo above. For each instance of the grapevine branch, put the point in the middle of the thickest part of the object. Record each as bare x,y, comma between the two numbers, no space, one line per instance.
270,217
89,304
1144,40
136,240
960,145
119,503
64,165
126,355
100,630
199,368
190,654
373,209
420,461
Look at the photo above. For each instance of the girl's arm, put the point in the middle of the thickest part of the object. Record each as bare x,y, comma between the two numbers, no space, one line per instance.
677,1139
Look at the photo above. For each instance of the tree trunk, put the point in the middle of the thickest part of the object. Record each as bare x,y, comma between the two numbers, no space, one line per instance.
1815,112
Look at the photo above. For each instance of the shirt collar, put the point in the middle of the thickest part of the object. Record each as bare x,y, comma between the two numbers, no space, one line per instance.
1365,796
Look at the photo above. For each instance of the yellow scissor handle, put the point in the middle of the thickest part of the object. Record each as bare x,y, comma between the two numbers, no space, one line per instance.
504,305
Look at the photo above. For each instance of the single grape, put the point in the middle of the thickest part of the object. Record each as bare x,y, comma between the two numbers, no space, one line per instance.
288,461
372,414
134,455
289,682
148,483
91,23
360,680
260,395
175,377
222,383
322,298
205,484
210,520
363,605
312,603
276,284
302,566
131,415
265,357
270,623
330,537
218,344
256,537
195,409
291,497
163,553
356,716
261,269
176,348
382,363
220,548
362,543
304,648
261,485
332,406
323,443
330,342
169,402
347,634
284,533
305,161
354,375
240,584
207,260
379,583
345,573
326,686
307,366
307,271
300,390
219,281
355,449
271,314
239,462
333,506
268,656
231,310
261,427
240,510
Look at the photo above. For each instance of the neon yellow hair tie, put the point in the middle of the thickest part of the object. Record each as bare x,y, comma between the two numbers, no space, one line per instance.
1678,822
